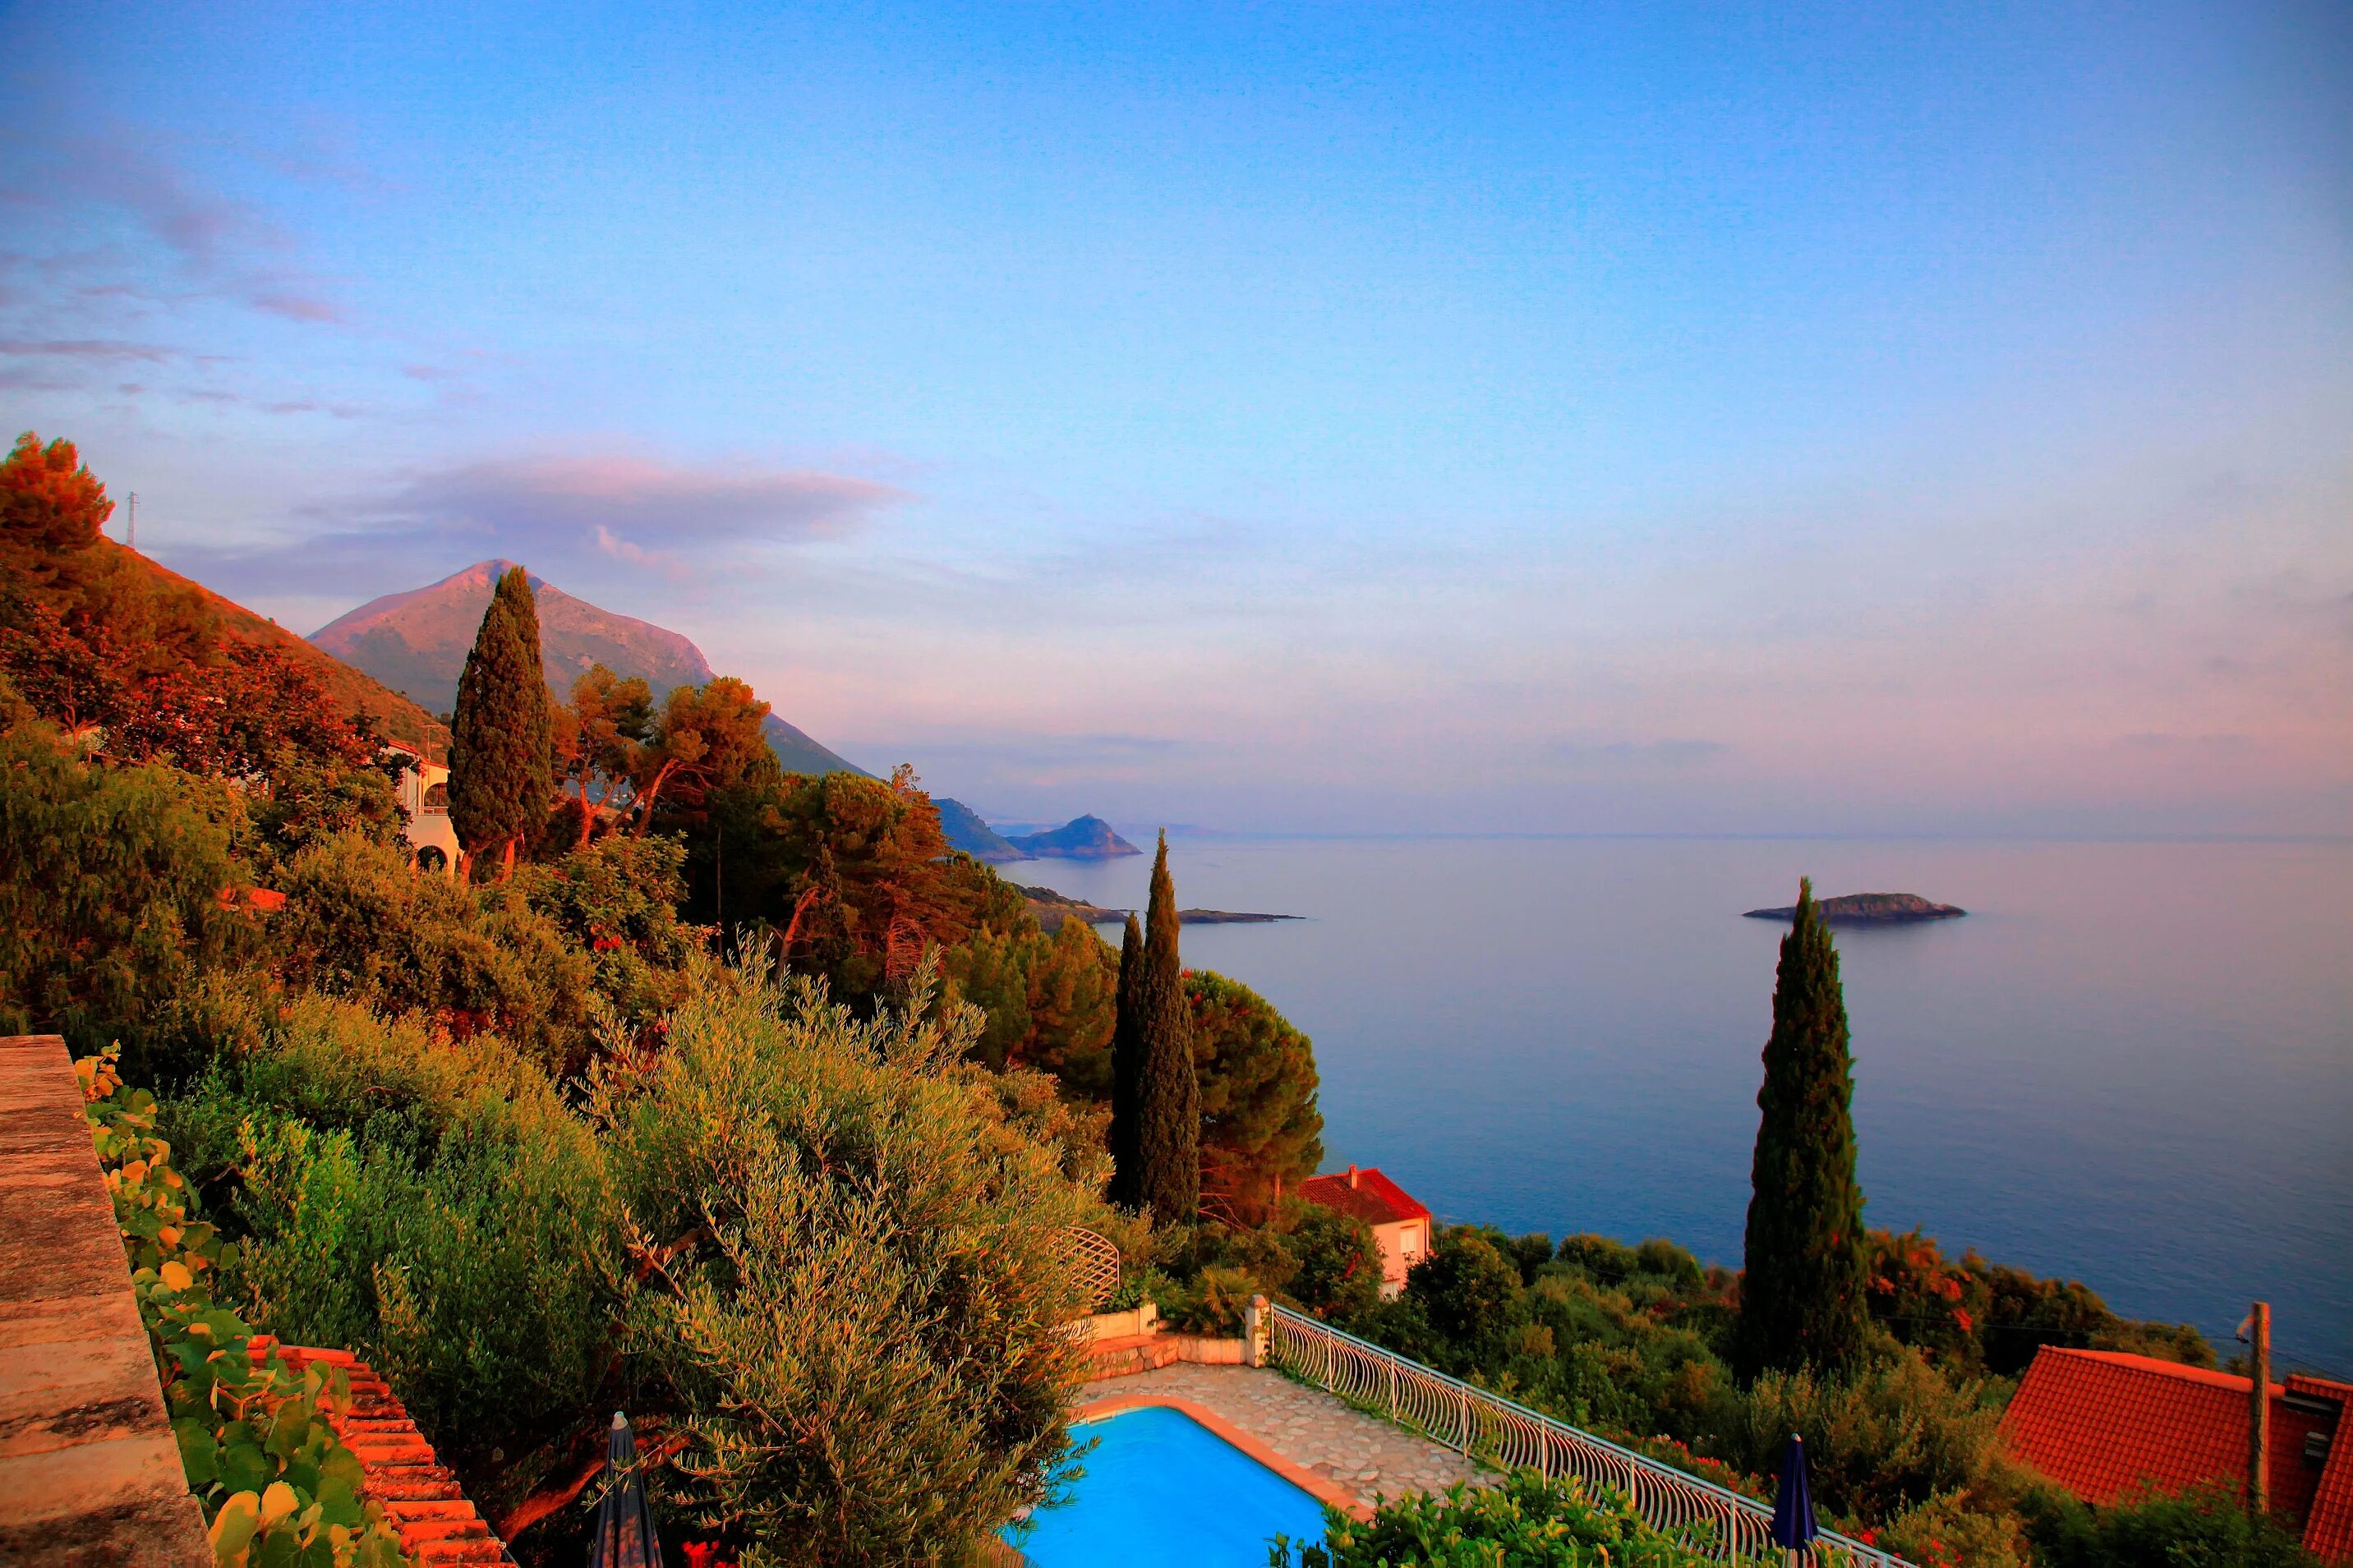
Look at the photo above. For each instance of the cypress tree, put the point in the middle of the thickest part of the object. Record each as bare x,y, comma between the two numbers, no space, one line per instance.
1127,1071
1802,1296
501,761
1168,1094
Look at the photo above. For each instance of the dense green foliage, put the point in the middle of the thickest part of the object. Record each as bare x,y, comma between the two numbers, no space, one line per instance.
111,882
859,1273
276,1484
429,1202
2205,1528
1635,1344
1523,1522
1982,1317
1127,1070
501,736
1801,1302
1156,1118
1260,1129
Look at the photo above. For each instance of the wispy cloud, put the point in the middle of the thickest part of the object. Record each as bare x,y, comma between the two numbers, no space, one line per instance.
93,349
638,509
211,243
570,518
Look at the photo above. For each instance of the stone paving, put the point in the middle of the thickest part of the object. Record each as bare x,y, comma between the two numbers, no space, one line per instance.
1311,1428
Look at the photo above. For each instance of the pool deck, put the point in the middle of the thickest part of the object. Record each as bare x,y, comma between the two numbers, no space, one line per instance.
1355,1454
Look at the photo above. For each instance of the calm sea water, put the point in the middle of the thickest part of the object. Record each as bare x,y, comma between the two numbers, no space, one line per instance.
2132,1064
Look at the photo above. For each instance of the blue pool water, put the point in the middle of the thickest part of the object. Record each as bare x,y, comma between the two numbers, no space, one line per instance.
1160,1489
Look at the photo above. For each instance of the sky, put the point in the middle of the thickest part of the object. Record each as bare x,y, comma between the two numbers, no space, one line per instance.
1344,419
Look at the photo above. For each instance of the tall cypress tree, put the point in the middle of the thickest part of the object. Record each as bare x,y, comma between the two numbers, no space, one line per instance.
1801,1298
500,758
1127,1188
1168,1094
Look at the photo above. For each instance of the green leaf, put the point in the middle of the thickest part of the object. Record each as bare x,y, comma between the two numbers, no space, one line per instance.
339,1503
234,1527
244,1468
199,1455
289,1429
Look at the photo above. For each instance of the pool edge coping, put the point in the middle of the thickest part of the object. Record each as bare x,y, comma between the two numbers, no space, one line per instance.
1322,1488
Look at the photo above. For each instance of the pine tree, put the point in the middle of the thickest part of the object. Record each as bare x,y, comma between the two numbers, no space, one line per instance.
1801,1298
1168,1094
501,761
1127,1071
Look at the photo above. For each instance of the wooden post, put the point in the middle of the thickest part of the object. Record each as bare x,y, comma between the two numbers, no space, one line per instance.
2259,1412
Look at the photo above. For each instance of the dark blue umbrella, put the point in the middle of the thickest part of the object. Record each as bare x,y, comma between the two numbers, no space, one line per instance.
625,1529
1793,1500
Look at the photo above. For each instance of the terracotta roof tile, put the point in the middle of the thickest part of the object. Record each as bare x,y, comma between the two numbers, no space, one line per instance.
2103,1425
1364,1191
2328,1528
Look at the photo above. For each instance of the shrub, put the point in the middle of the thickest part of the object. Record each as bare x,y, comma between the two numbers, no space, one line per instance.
858,1273
2206,1528
432,1205
1339,1264
618,901
109,889
1470,1292
360,922
275,1482
1524,1520
1896,1436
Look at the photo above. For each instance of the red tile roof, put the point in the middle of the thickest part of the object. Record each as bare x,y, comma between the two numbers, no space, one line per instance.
2103,1425
1365,1193
2328,1528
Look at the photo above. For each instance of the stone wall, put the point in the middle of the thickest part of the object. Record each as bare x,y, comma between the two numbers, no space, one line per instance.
89,1472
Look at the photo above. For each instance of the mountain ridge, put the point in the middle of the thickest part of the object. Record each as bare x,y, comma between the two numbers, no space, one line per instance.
416,642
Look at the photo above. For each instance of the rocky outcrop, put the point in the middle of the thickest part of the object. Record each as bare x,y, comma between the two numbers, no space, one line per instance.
1084,839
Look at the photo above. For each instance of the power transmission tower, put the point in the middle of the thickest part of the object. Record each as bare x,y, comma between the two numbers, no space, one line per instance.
133,539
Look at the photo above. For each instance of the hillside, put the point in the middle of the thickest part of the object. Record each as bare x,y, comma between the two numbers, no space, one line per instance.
416,642
968,833
353,689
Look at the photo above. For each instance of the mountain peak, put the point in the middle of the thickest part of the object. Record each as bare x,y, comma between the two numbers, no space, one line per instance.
1081,838
416,642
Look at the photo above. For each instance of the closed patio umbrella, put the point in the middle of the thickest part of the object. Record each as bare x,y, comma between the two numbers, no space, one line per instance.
1793,1502
625,1529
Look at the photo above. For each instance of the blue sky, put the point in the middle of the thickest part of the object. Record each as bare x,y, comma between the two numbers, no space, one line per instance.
1495,419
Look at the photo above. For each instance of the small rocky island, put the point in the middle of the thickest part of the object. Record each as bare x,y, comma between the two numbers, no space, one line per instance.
1870,910
1052,908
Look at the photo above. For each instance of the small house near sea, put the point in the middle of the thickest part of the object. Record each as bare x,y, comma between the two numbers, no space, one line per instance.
1401,1224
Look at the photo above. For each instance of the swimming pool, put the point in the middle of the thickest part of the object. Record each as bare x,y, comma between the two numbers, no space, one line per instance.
1160,1489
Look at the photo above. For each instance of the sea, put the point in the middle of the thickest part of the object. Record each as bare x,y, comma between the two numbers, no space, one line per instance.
2130,1064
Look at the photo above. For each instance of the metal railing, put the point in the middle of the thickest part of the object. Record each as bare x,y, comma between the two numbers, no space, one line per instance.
1496,1430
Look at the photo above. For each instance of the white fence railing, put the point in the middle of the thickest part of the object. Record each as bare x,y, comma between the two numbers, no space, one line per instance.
1498,1431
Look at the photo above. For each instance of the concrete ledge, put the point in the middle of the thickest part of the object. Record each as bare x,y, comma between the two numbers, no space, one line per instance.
88,1470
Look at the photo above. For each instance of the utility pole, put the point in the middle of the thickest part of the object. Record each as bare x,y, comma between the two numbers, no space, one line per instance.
133,540
2259,1411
